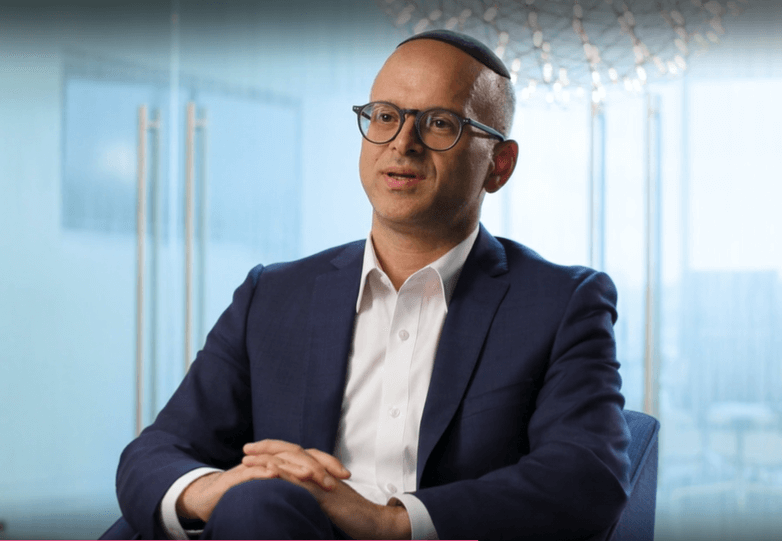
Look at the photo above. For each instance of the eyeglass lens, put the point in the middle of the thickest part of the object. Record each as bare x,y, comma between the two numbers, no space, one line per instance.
438,129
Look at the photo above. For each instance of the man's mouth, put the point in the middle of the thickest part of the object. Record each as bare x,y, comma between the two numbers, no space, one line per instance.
402,178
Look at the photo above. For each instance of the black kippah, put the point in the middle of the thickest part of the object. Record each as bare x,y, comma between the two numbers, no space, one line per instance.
469,45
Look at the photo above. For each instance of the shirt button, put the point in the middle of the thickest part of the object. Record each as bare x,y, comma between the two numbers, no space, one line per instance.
391,488
404,335
393,412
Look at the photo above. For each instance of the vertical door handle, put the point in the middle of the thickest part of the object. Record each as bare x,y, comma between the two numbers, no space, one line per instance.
192,124
202,223
144,125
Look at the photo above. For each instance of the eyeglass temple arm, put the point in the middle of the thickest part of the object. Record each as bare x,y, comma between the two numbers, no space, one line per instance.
484,127
358,109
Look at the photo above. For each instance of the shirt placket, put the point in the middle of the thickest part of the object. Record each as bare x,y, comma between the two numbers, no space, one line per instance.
390,444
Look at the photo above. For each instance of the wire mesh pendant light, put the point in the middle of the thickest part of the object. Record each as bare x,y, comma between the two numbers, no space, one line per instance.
560,49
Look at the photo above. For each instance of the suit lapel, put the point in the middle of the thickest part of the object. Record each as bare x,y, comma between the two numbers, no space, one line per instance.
331,317
476,298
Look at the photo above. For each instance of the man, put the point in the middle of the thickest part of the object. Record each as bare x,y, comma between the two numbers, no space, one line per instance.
433,381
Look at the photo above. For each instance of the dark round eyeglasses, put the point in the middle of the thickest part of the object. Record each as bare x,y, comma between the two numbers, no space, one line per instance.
438,129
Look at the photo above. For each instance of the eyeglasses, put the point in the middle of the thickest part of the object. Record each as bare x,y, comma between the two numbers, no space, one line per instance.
438,129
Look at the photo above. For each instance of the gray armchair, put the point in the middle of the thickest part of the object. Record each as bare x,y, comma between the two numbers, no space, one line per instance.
637,520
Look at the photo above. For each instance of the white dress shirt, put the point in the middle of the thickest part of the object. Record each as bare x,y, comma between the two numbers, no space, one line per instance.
395,339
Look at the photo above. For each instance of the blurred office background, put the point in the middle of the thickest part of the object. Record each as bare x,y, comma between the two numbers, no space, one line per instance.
249,104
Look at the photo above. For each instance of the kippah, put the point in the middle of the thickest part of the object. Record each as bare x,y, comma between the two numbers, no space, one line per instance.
469,45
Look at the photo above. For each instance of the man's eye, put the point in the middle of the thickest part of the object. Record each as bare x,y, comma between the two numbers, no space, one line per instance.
384,117
442,124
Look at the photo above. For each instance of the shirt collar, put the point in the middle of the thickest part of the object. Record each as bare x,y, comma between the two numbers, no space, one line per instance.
448,267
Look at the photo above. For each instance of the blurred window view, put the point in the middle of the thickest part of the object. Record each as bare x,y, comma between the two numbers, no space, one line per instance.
674,191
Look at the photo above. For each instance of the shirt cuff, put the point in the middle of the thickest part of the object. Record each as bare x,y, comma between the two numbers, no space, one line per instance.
421,525
168,516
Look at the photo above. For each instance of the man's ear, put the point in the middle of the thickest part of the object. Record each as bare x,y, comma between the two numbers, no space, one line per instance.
505,156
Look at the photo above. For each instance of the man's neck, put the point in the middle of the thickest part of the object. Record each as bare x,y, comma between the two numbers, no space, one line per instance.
403,253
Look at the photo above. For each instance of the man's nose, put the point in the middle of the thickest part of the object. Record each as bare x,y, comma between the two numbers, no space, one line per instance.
407,140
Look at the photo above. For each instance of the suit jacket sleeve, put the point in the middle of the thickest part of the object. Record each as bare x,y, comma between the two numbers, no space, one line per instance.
195,428
564,475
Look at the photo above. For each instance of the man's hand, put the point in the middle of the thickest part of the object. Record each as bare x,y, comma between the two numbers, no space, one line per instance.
321,474
313,465
200,497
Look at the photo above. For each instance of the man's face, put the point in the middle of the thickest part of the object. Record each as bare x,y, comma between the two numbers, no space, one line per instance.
410,187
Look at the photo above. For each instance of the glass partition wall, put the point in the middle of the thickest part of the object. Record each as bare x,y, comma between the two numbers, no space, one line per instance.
150,160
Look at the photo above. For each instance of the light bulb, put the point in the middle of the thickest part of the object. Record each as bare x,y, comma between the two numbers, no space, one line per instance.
680,62
421,26
404,18
548,71
490,14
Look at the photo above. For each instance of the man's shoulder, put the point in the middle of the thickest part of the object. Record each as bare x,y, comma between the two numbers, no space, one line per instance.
524,261
328,259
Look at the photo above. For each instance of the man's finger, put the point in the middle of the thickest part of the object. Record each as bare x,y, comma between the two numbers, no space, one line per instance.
299,465
312,458
270,447
331,463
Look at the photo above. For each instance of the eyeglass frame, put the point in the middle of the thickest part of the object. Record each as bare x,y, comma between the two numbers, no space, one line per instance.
418,116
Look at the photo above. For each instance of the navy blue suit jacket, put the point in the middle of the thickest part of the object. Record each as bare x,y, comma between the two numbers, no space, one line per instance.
522,434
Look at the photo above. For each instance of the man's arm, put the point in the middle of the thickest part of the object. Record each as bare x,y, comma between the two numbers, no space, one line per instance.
199,499
571,483
313,470
205,424
194,429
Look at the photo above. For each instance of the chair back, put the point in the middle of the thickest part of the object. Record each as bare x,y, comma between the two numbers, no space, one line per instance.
637,520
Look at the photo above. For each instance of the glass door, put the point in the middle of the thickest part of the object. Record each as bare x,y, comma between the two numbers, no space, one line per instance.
67,373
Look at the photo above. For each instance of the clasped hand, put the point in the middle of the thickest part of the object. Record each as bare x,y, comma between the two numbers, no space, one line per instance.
319,473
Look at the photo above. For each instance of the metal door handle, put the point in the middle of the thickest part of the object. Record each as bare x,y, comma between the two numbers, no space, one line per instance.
192,124
144,125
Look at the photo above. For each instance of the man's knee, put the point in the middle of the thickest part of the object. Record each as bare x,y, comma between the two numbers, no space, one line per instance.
268,509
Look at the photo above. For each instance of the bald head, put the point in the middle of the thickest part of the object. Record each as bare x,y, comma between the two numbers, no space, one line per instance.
474,66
